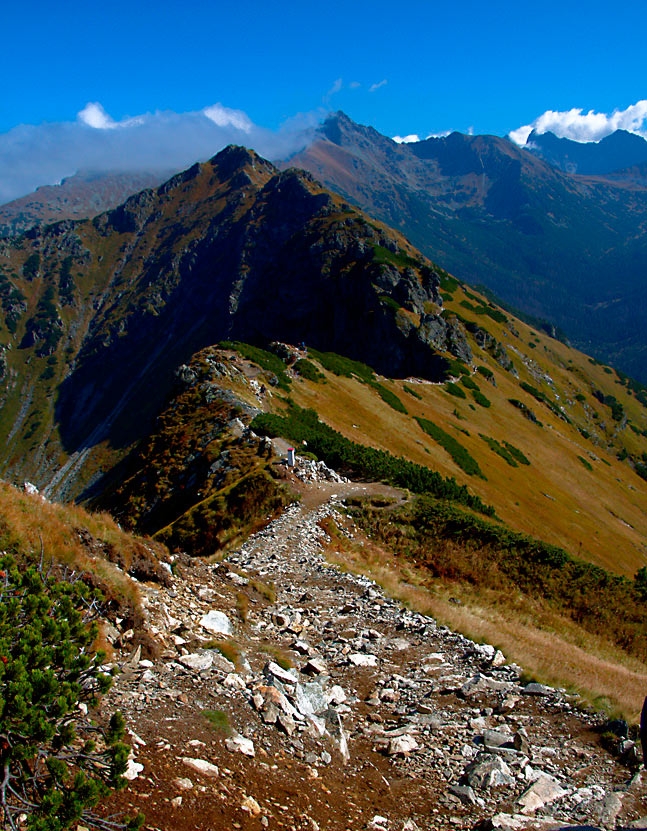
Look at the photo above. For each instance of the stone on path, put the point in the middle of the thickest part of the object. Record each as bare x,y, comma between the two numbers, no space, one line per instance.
197,661
544,789
201,766
216,622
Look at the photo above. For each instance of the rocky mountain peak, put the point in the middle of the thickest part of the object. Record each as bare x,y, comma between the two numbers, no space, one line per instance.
233,159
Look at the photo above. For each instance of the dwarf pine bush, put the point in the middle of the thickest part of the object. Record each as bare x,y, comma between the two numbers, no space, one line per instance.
55,762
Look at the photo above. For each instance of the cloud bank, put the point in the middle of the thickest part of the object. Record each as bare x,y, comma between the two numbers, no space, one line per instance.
34,155
580,126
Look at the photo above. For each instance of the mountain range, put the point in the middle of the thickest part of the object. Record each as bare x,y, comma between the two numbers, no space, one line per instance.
564,247
555,229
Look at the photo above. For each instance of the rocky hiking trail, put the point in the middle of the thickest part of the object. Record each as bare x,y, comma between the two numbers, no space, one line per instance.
289,694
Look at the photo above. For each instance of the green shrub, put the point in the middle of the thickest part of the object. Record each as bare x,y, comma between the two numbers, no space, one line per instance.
468,382
389,397
346,367
412,392
478,396
31,266
494,445
57,763
485,371
307,369
514,451
455,390
586,463
456,450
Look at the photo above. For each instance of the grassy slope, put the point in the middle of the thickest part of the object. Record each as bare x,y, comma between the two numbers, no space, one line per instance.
598,515
92,544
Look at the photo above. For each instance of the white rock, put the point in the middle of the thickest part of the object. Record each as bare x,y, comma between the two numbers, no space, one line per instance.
250,805
401,745
201,766
239,744
133,769
216,622
183,783
197,660
234,680
284,675
544,789
360,659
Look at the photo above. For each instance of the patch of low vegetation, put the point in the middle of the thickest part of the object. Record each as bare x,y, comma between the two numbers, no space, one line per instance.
266,360
265,590
306,369
389,397
485,371
397,258
617,410
31,266
468,382
59,760
300,425
45,328
279,655
481,399
585,462
13,303
66,282
228,648
219,720
412,392
510,454
342,366
461,548
459,454
455,390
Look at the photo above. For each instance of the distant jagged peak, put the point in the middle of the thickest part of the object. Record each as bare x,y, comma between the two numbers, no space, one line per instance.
620,149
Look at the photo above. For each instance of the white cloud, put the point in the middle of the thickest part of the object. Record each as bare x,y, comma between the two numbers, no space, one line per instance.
34,155
225,117
354,84
406,139
95,116
591,126
374,87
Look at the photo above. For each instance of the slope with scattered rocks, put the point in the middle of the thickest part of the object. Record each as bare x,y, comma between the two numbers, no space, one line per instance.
285,693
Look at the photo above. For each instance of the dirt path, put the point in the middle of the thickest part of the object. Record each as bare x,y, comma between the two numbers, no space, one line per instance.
359,713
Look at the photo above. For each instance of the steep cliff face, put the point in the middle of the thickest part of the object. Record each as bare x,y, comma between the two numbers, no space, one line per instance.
232,248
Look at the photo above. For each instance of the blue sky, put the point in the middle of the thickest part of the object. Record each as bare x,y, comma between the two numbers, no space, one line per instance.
491,66
153,70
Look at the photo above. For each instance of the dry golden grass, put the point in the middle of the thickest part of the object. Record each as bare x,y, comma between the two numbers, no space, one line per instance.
27,522
549,647
598,515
